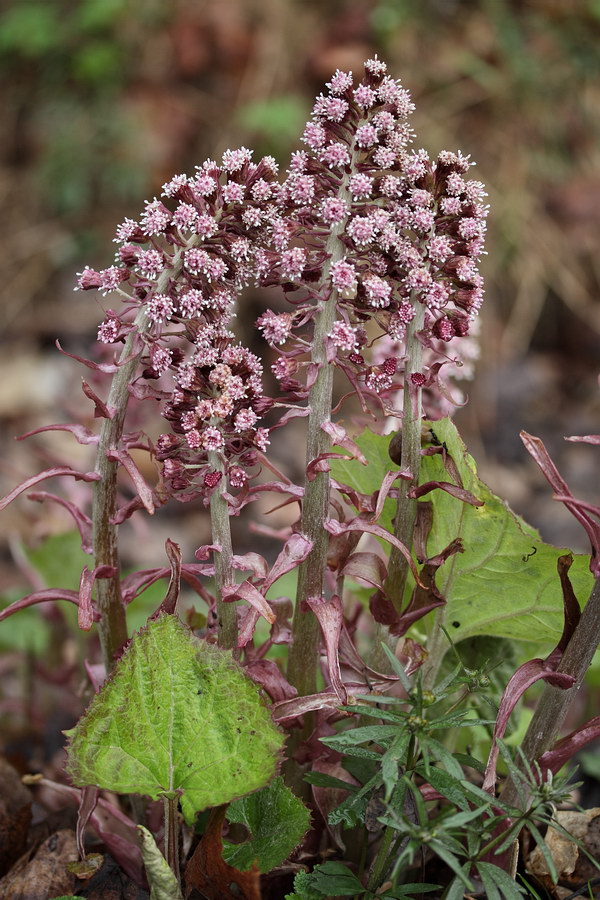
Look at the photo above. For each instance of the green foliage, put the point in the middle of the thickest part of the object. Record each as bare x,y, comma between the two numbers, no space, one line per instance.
276,820
505,583
331,879
409,746
177,715
162,881
278,119
59,560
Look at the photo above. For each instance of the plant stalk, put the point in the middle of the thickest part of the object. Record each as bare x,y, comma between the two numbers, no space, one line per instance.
380,862
406,509
221,535
109,601
172,834
113,623
554,703
304,653
410,460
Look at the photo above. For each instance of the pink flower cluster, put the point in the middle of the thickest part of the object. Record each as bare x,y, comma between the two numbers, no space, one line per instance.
360,220
180,269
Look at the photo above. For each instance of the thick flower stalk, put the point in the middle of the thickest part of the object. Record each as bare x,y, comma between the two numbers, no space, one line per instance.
388,244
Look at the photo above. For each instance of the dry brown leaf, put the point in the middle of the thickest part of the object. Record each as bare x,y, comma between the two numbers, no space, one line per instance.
15,816
208,873
45,875
572,865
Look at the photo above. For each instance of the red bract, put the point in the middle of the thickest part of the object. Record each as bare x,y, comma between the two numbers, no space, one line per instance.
578,509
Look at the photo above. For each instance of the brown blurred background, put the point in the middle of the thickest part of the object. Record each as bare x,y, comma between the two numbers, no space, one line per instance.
105,99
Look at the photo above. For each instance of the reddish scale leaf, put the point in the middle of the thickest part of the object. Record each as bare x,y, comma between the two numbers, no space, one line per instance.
453,489
83,522
143,490
247,591
101,410
330,616
526,675
43,597
171,597
553,760
295,551
82,434
42,476
537,450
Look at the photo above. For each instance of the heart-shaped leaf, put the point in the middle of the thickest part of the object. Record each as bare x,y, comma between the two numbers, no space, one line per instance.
176,715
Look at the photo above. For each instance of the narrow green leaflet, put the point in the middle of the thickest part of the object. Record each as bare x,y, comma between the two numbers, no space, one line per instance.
177,714
162,881
277,821
330,879
505,583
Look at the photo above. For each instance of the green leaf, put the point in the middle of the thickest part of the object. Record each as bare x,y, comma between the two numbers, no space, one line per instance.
334,879
355,736
445,784
405,890
456,889
351,810
59,560
510,889
368,479
545,851
461,871
505,583
162,881
177,714
277,821
320,779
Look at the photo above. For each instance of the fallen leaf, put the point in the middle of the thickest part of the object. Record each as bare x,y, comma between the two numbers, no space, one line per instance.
15,816
45,875
208,873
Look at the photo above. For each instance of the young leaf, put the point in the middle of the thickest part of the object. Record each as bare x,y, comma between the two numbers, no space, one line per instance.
334,879
510,889
176,715
361,735
456,889
321,779
406,890
277,821
447,785
491,891
162,881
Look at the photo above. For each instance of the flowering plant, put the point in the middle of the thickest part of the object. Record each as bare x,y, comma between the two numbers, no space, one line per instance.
375,248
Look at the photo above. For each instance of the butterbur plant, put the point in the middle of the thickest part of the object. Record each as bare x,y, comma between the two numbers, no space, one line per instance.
332,728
